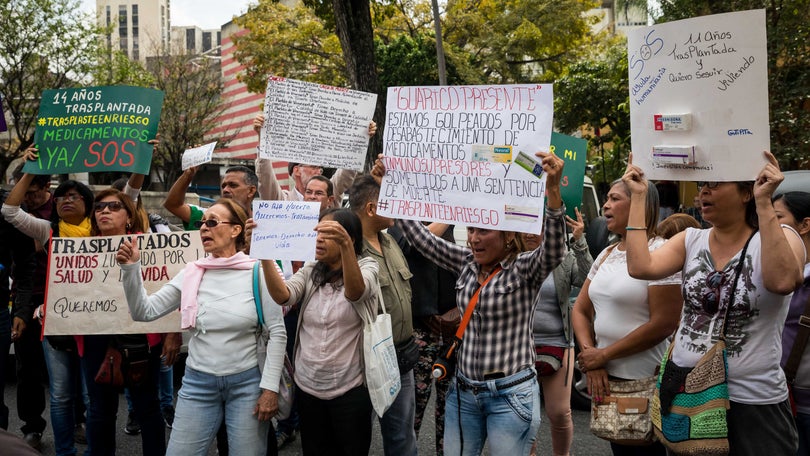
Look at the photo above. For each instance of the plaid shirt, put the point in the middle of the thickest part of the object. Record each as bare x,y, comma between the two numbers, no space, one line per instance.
499,335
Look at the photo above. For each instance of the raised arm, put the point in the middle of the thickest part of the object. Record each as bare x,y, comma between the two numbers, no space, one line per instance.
176,198
275,283
35,228
579,247
641,263
782,251
143,307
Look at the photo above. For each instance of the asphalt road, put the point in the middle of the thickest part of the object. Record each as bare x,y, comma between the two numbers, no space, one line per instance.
585,443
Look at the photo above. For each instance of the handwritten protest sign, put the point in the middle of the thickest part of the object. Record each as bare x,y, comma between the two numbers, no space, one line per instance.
198,155
85,294
449,154
284,230
574,152
96,129
316,124
699,97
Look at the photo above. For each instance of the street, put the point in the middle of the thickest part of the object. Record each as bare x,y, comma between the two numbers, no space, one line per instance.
584,442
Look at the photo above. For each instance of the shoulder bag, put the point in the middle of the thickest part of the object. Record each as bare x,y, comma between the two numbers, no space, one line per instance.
380,358
286,388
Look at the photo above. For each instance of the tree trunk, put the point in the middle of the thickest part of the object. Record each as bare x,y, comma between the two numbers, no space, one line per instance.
353,28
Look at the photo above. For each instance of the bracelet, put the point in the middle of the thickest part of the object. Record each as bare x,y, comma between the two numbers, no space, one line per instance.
636,228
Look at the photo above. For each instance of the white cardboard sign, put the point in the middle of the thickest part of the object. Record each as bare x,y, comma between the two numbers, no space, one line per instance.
198,155
451,155
316,124
699,97
85,295
285,230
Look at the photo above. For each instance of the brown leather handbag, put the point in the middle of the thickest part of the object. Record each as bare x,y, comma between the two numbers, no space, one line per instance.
110,371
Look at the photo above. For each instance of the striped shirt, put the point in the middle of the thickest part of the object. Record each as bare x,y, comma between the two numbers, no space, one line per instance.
499,335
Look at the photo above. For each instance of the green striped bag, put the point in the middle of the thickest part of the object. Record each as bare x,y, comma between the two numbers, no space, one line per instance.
695,402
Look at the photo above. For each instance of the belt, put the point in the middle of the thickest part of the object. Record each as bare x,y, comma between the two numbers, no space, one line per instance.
466,386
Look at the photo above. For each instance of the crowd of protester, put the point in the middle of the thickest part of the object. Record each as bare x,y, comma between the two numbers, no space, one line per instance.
655,285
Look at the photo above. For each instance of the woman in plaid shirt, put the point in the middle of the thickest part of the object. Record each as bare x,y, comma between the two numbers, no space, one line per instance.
495,389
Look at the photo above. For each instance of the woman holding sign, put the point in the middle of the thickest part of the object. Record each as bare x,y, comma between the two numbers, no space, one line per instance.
495,391
737,280
332,291
70,217
114,214
218,305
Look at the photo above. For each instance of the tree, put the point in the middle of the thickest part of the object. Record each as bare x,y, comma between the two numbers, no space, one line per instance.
191,106
593,98
486,41
520,40
290,42
44,44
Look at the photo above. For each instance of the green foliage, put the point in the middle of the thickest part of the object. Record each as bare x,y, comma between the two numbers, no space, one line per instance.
44,44
289,42
788,67
410,60
113,67
593,99
191,107
520,40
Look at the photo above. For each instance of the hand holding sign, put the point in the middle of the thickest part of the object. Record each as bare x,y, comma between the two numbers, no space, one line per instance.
128,253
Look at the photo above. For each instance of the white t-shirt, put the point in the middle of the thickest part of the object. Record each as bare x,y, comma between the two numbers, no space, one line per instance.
621,305
755,321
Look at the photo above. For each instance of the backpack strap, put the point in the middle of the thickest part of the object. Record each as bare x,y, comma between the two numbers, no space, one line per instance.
257,294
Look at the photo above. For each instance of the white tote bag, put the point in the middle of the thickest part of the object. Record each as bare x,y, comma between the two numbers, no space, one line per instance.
382,370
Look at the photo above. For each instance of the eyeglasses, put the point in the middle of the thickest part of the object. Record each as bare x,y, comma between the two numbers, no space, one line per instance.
113,206
711,296
69,197
709,185
210,223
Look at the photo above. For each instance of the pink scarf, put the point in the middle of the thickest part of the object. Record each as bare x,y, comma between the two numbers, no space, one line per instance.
193,276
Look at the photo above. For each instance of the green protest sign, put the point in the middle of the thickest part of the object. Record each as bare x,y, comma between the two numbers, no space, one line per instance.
574,151
96,129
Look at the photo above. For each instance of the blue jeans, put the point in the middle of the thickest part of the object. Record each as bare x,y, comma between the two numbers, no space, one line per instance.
103,410
510,414
396,424
166,385
202,402
66,386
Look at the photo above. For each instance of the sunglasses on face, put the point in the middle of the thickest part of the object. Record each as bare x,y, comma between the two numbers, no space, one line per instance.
69,197
709,185
711,297
113,206
210,223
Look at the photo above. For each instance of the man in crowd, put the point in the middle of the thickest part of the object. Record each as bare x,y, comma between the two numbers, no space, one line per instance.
399,437
17,255
26,329
239,183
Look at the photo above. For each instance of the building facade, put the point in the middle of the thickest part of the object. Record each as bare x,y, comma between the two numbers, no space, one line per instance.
139,28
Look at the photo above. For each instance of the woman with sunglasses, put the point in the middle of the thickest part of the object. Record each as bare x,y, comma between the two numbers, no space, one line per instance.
215,295
114,214
332,292
70,217
741,213
622,323
793,209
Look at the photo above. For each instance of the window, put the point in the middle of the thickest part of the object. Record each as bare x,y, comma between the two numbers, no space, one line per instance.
190,39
